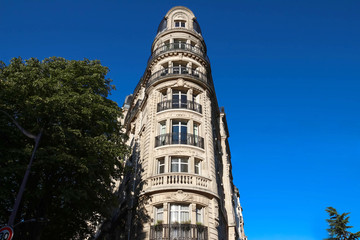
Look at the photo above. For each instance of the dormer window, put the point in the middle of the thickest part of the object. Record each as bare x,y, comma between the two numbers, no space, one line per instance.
179,23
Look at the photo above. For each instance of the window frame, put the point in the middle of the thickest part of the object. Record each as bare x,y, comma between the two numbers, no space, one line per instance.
200,212
180,136
181,161
181,101
179,23
197,166
159,210
178,209
160,164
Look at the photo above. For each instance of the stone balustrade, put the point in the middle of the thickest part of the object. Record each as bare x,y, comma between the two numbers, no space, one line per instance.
183,179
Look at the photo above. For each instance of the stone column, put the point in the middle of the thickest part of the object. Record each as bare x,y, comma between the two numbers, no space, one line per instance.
193,213
165,213
167,164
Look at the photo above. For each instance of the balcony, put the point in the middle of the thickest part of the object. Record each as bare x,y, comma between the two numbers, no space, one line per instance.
181,72
178,47
169,104
133,111
177,231
175,178
179,138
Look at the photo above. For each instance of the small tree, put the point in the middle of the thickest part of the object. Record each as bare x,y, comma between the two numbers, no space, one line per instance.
338,226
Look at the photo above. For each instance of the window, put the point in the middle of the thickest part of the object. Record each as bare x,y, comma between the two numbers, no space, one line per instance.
179,44
163,96
179,164
199,215
179,99
180,68
179,213
179,23
162,133
197,166
196,134
162,128
159,213
179,132
195,97
160,166
196,129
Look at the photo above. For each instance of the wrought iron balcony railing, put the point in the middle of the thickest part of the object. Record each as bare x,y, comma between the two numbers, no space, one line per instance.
170,104
185,71
179,138
178,232
180,47
133,111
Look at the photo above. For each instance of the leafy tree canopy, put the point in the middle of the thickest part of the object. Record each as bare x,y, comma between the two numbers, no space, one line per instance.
77,163
338,226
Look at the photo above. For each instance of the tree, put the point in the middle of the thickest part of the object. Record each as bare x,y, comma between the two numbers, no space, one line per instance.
338,225
78,161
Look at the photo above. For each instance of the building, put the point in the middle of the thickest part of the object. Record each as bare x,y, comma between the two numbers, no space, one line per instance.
179,140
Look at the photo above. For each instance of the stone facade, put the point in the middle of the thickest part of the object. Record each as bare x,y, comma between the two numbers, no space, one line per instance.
179,136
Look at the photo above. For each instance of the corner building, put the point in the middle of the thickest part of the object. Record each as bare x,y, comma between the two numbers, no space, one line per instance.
179,138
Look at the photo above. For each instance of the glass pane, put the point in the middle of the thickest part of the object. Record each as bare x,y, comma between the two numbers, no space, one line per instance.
183,101
174,166
176,96
183,137
175,128
162,128
175,138
183,128
162,169
174,216
184,168
184,217
185,207
174,207
197,166
175,101
199,215
196,129
159,216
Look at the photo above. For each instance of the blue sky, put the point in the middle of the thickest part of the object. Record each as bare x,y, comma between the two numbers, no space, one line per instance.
287,73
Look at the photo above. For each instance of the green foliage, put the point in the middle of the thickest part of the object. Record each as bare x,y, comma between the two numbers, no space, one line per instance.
338,225
77,163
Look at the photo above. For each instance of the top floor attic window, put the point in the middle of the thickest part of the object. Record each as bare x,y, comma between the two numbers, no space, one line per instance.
179,23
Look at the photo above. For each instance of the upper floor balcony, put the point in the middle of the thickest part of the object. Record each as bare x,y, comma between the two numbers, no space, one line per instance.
179,71
170,104
179,138
179,179
178,231
179,47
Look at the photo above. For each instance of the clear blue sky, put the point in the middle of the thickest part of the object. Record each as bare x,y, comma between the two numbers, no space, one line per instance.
286,71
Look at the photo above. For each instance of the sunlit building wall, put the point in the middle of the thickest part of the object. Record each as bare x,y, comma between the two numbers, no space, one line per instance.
179,139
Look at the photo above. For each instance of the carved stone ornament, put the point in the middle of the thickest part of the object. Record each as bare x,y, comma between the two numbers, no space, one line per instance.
180,82
180,196
179,16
